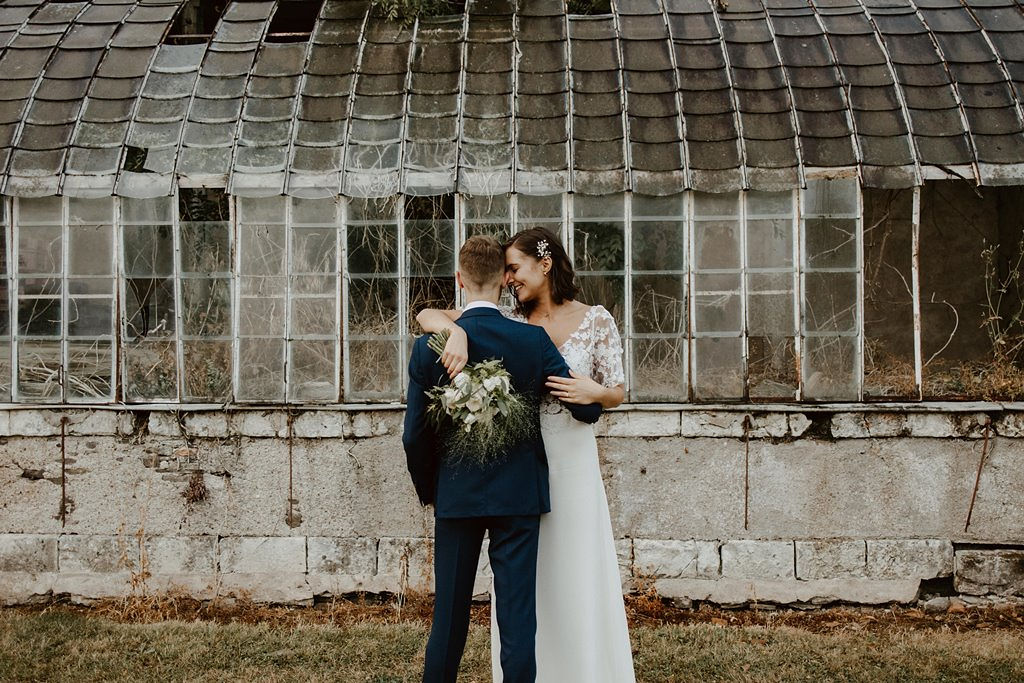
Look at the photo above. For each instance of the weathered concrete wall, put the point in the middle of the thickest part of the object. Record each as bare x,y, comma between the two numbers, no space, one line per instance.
809,507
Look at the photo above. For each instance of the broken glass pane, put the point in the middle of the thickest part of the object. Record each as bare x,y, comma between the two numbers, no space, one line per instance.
207,370
374,370
373,307
39,369
372,249
829,368
430,248
90,317
90,373
206,306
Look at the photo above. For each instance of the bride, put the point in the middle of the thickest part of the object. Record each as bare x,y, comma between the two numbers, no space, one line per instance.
581,621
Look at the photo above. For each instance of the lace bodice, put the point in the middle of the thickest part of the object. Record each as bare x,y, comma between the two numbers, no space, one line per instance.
594,349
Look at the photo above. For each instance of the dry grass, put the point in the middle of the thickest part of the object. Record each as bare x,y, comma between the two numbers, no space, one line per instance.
369,640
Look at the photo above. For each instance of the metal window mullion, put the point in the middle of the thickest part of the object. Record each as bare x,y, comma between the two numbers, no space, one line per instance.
858,367
179,330
12,249
915,281
801,313
236,294
286,351
339,268
627,141
346,382
117,302
627,229
744,331
460,239
689,225
797,303
403,293
568,222
12,283
64,303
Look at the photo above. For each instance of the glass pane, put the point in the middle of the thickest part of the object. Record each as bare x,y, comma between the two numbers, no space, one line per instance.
709,204
539,209
313,317
607,290
39,364
314,250
770,243
719,367
90,370
659,370
312,371
718,302
261,210
769,203
42,211
262,251
315,212
672,206
39,249
207,370
374,209
598,206
659,245
261,369
38,316
5,370
431,292
659,304
90,211
372,249
430,247
830,242
205,247
772,366
373,307
151,367
90,317
770,304
148,250
829,368
206,306
374,370
487,208
143,211
831,197
261,316
599,247
830,303
717,244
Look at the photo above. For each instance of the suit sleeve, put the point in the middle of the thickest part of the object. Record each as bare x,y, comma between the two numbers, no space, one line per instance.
554,364
418,437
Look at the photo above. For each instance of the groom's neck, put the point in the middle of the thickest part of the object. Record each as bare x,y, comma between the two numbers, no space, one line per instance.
491,297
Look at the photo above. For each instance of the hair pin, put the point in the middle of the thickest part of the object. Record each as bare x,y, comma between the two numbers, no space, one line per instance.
542,249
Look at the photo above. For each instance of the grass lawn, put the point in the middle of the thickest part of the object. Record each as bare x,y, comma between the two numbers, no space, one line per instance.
64,644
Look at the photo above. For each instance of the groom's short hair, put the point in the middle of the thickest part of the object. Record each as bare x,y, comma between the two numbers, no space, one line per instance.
482,261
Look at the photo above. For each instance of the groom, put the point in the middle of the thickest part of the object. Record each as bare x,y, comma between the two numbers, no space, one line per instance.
504,497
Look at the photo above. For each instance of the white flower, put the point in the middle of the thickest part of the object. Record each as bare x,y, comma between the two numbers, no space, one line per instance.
474,404
461,380
492,383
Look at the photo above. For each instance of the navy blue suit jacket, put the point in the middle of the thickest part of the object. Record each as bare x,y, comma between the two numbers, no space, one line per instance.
513,484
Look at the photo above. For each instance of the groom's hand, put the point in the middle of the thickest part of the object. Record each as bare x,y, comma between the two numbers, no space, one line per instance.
577,389
456,351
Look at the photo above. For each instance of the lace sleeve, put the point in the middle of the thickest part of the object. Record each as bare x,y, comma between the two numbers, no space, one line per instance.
511,313
608,369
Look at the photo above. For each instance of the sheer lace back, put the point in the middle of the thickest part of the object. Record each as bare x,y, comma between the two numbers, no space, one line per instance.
594,349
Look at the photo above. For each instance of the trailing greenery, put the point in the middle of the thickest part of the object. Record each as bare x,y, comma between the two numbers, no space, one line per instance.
407,11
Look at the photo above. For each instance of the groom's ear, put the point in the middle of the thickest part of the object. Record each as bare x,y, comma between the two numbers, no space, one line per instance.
458,280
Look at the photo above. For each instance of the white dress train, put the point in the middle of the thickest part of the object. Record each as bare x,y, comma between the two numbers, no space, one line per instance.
581,620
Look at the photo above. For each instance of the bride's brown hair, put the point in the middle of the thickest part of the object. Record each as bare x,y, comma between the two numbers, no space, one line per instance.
562,276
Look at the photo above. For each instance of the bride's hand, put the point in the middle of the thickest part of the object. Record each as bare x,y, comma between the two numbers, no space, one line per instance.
456,351
579,389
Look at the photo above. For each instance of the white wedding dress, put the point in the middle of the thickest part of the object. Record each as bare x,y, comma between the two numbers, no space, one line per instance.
581,620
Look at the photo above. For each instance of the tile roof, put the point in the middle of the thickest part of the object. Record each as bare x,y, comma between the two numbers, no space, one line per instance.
657,97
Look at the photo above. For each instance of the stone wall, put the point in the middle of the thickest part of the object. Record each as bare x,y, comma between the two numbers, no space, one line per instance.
782,504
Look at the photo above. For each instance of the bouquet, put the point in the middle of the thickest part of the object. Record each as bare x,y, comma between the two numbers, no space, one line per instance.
483,414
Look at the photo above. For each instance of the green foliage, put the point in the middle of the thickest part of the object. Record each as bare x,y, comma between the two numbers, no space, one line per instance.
407,11
589,6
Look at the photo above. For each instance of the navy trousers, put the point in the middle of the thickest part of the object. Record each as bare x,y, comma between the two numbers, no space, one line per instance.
513,554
